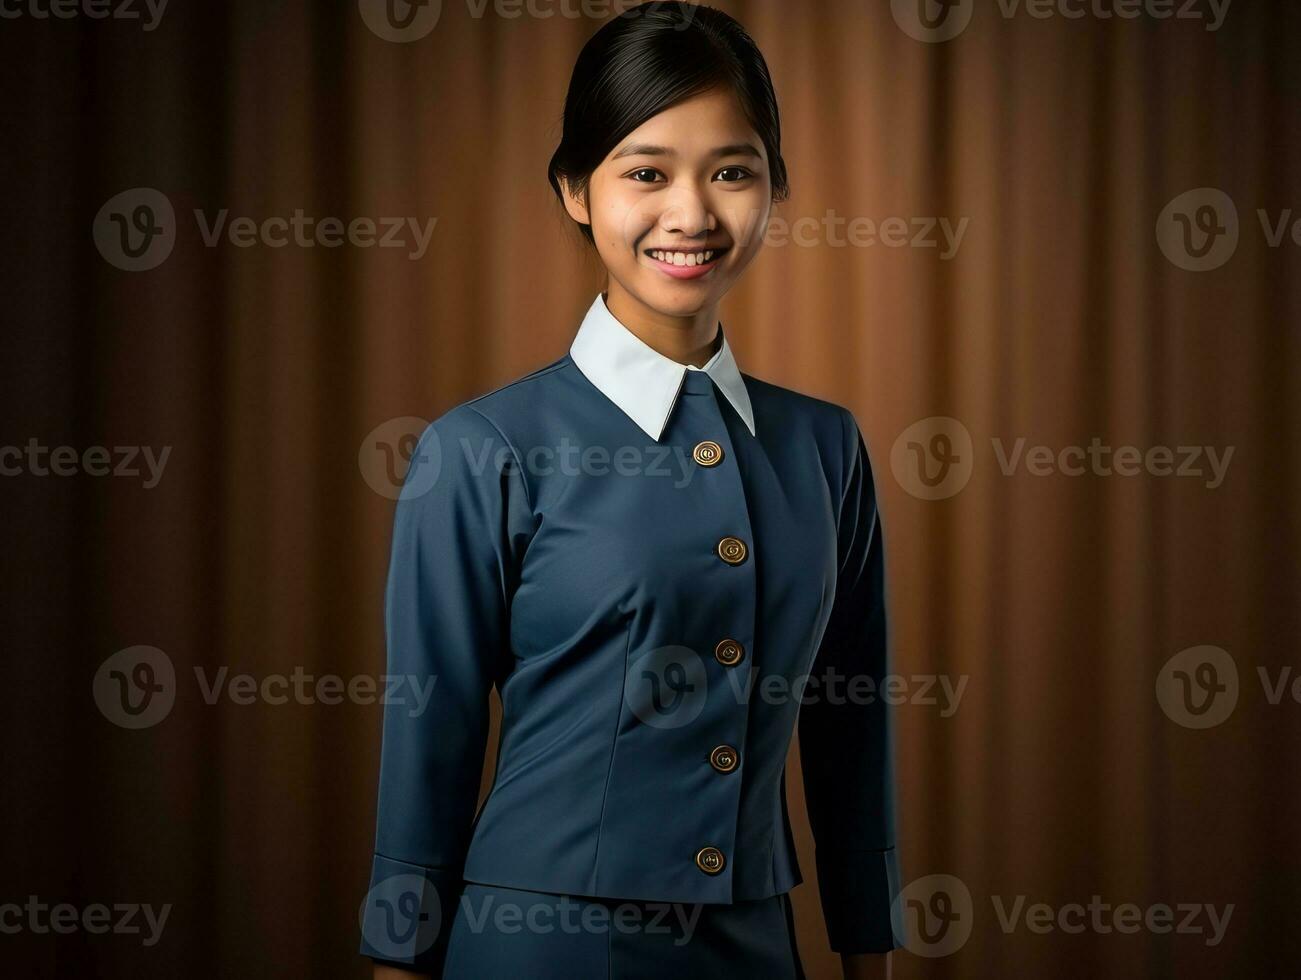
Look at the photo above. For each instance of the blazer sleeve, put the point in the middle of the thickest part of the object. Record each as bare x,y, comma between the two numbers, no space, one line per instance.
845,730
461,522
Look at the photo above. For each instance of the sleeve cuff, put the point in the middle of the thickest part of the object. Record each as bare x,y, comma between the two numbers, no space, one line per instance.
858,889
407,914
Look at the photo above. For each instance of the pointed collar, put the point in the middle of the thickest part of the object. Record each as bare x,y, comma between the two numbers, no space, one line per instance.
642,381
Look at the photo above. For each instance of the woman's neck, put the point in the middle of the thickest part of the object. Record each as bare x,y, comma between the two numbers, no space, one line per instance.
690,339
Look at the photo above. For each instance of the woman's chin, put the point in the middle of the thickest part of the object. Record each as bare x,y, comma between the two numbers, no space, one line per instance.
680,297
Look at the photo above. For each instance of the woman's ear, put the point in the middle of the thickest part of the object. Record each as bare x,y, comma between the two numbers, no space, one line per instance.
575,203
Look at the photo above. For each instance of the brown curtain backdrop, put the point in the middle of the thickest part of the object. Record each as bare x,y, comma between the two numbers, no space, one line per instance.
1054,599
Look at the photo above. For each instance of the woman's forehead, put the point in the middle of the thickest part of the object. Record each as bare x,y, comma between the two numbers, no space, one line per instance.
708,124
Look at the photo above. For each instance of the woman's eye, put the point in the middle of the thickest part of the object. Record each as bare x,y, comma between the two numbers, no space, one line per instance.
645,170
740,174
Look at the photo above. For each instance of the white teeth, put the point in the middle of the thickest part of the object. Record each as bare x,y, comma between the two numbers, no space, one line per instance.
684,258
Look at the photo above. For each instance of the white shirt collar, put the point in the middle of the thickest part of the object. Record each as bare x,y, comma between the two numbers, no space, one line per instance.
642,381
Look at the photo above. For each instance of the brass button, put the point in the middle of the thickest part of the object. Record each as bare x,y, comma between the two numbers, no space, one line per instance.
723,758
729,653
707,453
710,860
731,550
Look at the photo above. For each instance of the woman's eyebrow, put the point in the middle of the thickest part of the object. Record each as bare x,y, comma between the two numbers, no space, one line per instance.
651,150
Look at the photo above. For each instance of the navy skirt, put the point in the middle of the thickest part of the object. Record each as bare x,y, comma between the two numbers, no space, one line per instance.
531,935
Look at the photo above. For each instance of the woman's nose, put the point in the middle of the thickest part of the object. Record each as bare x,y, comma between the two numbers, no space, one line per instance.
688,214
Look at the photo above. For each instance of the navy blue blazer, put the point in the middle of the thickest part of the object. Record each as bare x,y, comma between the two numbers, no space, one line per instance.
656,614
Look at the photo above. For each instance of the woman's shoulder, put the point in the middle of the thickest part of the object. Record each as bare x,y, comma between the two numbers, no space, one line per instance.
508,402
822,413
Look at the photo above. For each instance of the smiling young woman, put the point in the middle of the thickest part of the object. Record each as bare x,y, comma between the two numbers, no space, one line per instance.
656,633
670,163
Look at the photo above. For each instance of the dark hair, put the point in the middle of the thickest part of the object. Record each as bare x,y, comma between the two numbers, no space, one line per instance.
647,59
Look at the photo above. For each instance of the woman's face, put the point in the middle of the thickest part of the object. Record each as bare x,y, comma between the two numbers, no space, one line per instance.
690,181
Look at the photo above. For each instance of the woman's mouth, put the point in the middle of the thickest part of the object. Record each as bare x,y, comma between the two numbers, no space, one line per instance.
686,264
